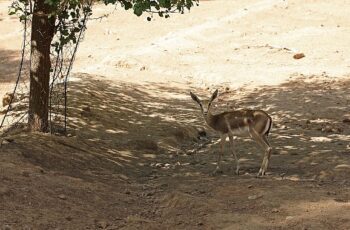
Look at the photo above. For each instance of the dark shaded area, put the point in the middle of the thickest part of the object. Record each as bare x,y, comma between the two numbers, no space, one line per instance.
134,160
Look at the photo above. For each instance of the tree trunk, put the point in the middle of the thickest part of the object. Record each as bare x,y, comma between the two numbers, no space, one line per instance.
43,29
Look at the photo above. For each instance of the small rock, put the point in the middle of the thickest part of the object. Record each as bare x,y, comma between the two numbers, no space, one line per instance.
25,174
127,192
7,99
86,108
250,186
275,210
308,122
158,165
62,197
254,197
299,55
327,129
200,224
143,68
101,224
4,142
346,120
69,218
289,217
149,193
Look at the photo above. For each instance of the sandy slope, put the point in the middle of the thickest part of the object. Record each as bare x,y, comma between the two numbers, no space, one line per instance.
133,159
222,41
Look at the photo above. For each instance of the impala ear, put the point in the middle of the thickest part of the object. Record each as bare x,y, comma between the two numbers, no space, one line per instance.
215,94
195,98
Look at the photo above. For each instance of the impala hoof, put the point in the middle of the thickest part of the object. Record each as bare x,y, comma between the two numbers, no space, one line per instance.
261,173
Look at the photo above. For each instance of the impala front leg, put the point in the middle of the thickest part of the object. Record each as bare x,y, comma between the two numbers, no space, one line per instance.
234,154
218,169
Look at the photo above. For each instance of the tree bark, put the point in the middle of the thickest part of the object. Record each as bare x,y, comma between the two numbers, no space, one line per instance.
43,29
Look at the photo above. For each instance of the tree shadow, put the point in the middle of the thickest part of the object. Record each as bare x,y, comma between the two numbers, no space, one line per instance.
310,134
144,140
152,130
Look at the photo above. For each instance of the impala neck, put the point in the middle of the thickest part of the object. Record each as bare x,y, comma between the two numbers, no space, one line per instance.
209,118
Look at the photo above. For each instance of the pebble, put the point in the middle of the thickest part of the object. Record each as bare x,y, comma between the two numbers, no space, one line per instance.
101,224
62,197
298,55
346,120
254,197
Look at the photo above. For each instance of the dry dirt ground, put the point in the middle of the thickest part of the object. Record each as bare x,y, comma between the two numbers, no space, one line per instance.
134,159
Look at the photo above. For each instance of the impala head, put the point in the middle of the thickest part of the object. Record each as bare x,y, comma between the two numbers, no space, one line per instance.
204,104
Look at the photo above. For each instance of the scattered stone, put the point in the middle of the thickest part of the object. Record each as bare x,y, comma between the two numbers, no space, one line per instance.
9,140
7,98
340,200
127,192
275,210
143,68
62,197
158,165
299,55
86,108
149,193
101,224
327,129
86,111
200,224
25,174
331,193
346,120
308,122
190,152
289,217
254,197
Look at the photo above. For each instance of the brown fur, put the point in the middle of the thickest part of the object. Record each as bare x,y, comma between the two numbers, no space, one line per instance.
256,123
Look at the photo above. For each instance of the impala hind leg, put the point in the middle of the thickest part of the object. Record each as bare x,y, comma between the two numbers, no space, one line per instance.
264,143
234,154
267,154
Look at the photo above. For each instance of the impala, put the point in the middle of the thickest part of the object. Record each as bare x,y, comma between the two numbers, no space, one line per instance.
255,123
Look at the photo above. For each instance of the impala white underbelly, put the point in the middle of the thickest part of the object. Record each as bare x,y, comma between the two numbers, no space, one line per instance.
244,131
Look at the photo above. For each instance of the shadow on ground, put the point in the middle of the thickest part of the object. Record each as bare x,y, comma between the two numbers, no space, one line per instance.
135,159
